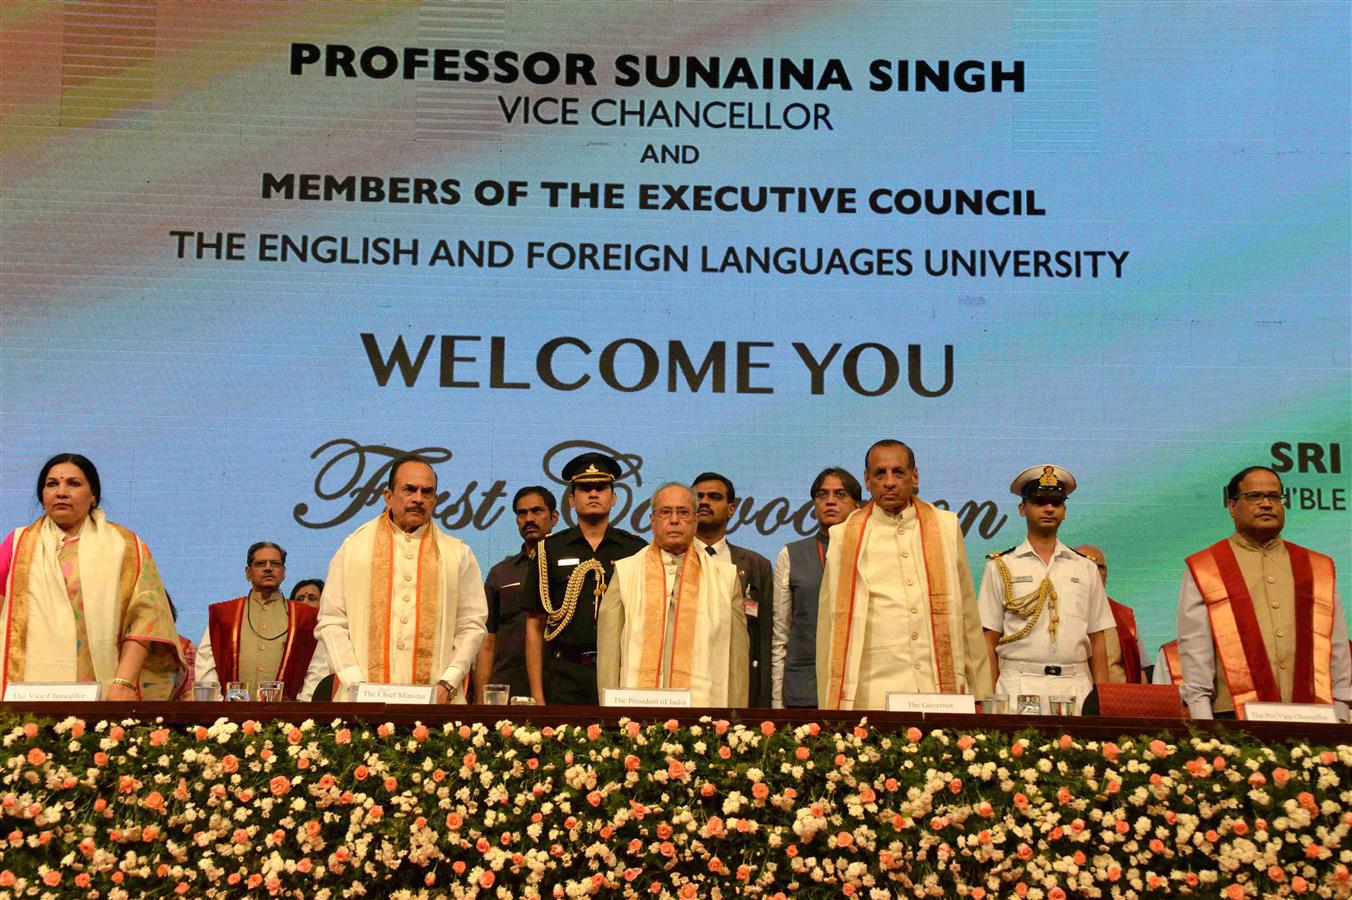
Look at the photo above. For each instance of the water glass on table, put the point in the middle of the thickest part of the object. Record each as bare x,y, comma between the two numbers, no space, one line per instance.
206,691
1030,705
270,691
995,703
496,694
237,691
1063,705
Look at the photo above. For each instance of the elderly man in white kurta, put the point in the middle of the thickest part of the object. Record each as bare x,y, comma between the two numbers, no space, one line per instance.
897,610
404,601
673,617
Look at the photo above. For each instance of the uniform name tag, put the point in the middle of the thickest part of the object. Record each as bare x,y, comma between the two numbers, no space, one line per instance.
1017,578
42,691
1074,579
1290,712
368,692
900,701
568,562
670,697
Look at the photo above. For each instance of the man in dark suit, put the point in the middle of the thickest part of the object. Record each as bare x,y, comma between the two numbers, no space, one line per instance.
561,593
716,501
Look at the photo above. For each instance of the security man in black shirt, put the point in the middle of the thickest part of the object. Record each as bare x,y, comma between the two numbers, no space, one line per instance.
563,593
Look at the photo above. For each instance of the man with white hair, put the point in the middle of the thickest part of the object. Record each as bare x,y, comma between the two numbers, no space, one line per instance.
673,617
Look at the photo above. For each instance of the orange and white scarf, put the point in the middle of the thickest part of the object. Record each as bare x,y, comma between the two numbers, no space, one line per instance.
843,611
368,579
121,596
701,623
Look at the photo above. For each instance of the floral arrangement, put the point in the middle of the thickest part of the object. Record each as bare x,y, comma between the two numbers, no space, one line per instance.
711,809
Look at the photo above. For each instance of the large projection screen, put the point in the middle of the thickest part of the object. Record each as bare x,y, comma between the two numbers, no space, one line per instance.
252,251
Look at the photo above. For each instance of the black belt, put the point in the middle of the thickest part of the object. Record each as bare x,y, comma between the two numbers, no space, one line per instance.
572,655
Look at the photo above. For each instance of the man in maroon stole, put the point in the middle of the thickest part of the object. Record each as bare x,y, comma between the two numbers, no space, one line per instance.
1123,640
1259,618
261,636
1168,667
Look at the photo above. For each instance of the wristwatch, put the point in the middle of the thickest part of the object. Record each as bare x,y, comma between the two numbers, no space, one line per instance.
452,691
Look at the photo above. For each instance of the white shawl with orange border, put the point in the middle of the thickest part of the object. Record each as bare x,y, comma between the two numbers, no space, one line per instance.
843,608
123,598
701,630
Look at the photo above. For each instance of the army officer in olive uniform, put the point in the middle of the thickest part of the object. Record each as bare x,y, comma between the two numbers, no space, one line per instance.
562,595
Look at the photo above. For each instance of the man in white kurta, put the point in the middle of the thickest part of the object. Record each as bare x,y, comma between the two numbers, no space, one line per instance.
404,601
897,610
673,617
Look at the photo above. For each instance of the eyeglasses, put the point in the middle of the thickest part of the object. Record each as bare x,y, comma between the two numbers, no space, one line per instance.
268,564
1256,497
824,494
680,513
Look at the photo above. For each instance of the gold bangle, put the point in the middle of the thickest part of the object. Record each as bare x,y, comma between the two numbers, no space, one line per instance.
124,682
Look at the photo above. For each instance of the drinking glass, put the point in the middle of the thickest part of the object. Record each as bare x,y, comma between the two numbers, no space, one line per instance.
995,703
1030,705
206,691
237,691
497,694
270,691
1063,705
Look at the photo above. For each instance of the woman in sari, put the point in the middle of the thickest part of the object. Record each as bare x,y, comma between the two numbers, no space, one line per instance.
82,599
